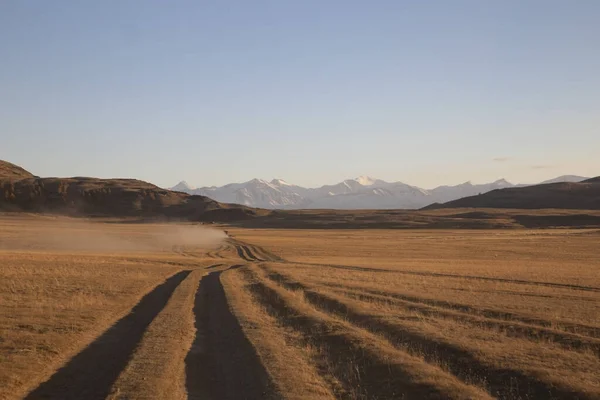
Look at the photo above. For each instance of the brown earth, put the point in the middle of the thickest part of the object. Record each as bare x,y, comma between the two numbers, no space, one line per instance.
12,171
511,313
463,218
296,314
81,196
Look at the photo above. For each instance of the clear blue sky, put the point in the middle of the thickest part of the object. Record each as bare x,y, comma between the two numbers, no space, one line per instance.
426,92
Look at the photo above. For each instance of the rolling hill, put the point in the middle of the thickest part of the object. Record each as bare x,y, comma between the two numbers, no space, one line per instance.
565,195
81,196
9,171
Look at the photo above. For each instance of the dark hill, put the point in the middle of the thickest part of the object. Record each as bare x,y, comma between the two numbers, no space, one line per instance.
108,197
581,196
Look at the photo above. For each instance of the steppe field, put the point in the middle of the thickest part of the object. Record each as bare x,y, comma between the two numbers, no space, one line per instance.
123,310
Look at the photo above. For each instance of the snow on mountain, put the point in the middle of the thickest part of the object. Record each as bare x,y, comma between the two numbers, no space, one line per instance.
279,182
371,198
260,193
360,193
366,180
255,193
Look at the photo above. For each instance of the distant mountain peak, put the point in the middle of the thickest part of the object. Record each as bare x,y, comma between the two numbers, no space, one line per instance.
566,178
366,180
182,186
279,182
363,192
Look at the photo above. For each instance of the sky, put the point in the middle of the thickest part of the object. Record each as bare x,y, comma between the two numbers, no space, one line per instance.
313,92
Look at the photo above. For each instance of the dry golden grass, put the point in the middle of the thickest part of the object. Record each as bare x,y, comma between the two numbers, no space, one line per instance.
121,310
361,364
489,345
533,272
157,368
501,253
514,313
51,305
278,346
55,298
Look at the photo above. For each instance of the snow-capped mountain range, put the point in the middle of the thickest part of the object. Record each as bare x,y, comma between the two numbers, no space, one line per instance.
361,193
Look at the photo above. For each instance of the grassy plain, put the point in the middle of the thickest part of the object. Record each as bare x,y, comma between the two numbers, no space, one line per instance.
63,282
124,311
515,313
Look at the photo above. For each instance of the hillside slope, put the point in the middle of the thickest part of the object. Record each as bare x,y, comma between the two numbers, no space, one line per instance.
81,196
13,172
582,196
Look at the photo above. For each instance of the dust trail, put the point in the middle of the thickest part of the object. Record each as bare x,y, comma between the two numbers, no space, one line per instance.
76,235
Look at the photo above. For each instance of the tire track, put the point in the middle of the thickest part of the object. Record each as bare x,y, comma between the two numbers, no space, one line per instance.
242,254
578,329
222,363
502,382
251,256
92,372
573,328
252,253
566,340
216,253
265,254
227,251
362,372
457,276
272,257
156,369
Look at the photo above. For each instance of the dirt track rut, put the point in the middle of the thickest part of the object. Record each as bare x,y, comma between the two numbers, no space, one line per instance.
222,363
504,383
92,372
464,363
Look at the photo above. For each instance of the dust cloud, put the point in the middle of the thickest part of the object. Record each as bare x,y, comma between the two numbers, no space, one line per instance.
73,235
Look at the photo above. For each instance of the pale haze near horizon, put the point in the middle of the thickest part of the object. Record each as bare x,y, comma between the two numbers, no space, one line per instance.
427,93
